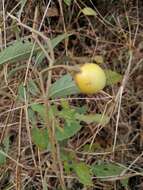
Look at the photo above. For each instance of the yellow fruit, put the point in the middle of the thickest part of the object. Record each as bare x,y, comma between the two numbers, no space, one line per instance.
90,79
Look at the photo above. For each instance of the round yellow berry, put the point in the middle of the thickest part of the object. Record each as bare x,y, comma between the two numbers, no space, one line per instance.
90,79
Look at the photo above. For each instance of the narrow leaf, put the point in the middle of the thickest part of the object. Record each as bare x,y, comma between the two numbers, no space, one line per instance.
55,41
88,11
91,118
4,148
21,92
23,3
67,2
20,50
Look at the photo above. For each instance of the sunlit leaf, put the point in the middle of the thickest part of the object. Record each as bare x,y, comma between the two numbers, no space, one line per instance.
84,173
91,118
88,11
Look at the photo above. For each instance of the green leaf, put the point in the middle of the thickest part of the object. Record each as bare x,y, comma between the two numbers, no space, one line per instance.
40,138
32,116
68,158
55,41
21,49
88,11
71,125
23,3
45,185
21,92
107,169
32,88
91,118
84,174
63,87
18,51
69,130
112,77
125,182
67,2
81,110
67,114
2,157
40,109
4,148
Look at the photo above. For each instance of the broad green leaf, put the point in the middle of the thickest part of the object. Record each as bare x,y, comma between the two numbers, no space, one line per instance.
69,130
40,138
63,87
71,125
4,148
67,2
112,77
40,109
91,118
84,173
32,88
20,50
88,11
67,114
106,169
